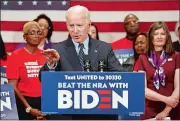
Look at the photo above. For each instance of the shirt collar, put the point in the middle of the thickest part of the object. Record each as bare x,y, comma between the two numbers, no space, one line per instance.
86,43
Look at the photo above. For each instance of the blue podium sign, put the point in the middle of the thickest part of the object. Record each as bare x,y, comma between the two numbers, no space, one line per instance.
8,103
93,93
123,54
3,75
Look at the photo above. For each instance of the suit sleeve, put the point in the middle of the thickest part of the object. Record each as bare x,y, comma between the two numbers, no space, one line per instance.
46,68
113,63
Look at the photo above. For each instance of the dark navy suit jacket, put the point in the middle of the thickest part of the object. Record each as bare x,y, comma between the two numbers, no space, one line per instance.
98,50
176,45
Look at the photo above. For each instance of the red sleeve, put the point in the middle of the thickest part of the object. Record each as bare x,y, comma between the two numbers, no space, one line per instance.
12,69
177,59
140,63
135,68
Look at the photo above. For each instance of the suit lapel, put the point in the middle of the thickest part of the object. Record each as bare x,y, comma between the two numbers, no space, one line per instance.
178,45
93,51
72,56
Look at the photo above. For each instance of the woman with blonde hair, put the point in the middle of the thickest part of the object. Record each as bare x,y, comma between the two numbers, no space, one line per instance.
22,72
47,28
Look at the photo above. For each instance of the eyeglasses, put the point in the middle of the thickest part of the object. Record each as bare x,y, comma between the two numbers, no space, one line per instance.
131,22
44,26
34,33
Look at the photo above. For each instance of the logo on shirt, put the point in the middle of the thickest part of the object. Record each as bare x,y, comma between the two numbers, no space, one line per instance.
32,69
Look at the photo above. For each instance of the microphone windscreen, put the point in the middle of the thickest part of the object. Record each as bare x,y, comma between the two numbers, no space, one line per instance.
86,57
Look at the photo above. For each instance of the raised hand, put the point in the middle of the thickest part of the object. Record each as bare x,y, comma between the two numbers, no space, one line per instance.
37,113
52,56
43,117
161,115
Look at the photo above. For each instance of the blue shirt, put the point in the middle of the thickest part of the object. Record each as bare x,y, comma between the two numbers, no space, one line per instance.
86,46
85,49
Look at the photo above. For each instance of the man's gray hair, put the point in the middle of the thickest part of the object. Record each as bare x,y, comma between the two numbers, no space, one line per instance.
79,9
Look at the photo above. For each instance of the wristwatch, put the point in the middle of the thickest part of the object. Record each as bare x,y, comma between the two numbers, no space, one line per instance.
28,109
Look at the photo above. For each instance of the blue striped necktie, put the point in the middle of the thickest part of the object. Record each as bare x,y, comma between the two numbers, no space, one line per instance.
81,55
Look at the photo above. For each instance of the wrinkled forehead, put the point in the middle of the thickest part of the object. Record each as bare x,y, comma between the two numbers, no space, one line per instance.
130,18
161,29
76,20
77,16
92,27
43,21
33,27
141,38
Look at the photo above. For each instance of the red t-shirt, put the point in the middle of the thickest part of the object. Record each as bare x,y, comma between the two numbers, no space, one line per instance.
123,43
25,67
135,68
123,49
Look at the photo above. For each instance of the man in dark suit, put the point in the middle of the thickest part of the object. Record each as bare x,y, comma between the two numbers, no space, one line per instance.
66,55
176,44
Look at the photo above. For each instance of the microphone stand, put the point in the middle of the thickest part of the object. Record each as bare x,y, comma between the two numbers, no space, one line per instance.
101,65
87,65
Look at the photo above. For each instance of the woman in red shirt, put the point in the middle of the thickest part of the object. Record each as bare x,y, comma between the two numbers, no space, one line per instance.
161,65
140,47
93,32
22,72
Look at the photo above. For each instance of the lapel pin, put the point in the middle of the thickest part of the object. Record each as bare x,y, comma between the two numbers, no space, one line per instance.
95,51
170,59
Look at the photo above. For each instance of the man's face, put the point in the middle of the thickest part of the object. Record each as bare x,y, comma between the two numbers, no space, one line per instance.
33,36
131,25
77,26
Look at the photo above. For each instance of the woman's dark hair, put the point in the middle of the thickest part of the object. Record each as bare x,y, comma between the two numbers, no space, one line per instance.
43,16
136,55
168,47
3,54
97,32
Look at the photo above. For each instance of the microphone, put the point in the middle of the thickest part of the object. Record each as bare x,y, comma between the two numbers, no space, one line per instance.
101,66
87,65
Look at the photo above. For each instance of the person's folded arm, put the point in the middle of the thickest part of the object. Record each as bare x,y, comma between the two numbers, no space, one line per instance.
176,93
152,95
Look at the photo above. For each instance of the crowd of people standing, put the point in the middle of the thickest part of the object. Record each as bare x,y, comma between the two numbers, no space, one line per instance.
154,53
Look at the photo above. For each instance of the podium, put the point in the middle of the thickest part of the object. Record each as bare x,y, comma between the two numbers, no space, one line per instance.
93,93
8,103
3,75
